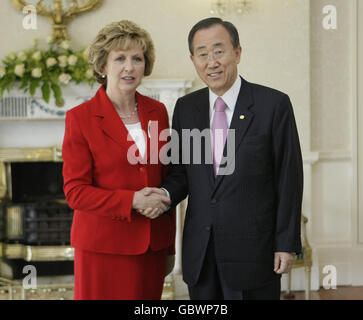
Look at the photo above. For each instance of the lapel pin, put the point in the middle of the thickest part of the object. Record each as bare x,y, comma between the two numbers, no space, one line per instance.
241,116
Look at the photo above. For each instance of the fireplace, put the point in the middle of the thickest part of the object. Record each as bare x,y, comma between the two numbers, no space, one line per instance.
35,218
36,212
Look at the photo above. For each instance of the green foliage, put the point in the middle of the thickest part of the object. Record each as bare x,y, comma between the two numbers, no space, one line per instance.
48,69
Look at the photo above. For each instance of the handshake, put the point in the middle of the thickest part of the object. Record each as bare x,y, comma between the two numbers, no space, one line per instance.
151,202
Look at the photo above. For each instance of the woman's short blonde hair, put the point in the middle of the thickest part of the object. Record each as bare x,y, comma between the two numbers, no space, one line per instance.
120,35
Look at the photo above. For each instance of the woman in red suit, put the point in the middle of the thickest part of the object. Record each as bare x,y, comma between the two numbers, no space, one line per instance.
119,252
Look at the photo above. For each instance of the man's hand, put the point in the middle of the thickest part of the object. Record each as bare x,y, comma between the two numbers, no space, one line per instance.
283,262
152,211
170,262
150,198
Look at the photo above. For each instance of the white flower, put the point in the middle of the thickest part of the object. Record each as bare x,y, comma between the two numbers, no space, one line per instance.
72,60
65,44
86,52
19,70
49,39
51,62
37,55
22,56
64,78
62,61
37,73
2,72
89,73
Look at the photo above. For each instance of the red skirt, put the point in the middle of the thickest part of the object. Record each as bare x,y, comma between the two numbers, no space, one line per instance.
101,276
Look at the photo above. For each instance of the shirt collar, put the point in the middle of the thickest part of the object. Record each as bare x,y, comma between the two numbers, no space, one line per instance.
230,97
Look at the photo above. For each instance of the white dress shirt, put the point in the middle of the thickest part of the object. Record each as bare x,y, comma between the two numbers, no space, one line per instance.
230,98
136,133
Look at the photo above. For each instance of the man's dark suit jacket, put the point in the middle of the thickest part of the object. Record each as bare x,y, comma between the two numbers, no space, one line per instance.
256,210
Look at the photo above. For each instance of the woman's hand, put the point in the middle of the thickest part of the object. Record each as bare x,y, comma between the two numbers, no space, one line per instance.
150,198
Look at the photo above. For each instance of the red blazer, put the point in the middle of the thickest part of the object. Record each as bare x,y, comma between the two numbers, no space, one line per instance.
100,182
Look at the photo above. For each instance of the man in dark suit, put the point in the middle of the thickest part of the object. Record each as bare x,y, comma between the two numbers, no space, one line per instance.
242,226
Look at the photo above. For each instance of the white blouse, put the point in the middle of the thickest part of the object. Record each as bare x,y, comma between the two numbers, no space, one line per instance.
135,132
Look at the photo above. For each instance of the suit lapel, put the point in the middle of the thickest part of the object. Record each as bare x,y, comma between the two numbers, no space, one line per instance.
112,125
241,120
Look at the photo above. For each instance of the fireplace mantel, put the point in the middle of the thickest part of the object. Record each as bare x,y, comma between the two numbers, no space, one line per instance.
18,105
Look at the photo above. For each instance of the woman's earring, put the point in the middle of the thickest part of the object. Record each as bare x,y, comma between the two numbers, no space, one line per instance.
103,76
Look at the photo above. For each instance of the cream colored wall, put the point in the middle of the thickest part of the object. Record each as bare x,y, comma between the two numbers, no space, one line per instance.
285,47
333,229
274,36
331,77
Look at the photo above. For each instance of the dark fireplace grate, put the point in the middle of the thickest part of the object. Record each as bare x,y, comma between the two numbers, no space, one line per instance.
47,224
42,224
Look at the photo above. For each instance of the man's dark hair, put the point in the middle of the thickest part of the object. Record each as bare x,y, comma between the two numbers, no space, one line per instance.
209,22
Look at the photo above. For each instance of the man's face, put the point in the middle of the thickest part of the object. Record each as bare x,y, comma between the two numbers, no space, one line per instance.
215,59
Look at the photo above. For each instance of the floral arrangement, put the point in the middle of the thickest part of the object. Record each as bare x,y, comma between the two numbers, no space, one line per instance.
46,69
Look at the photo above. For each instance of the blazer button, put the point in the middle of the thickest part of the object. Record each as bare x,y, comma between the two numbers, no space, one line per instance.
208,228
214,201
142,169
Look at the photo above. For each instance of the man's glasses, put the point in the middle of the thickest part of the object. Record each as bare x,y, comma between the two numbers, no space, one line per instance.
205,55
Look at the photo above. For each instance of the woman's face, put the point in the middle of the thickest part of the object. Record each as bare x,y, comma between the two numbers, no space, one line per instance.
125,69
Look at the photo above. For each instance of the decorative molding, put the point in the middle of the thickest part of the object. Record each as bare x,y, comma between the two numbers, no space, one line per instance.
3,184
313,157
310,157
38,253
165,90
338,155
17,105
30,154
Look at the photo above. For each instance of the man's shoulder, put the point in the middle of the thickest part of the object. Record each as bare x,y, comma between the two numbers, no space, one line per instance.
264,92
267,100
194,96
256,89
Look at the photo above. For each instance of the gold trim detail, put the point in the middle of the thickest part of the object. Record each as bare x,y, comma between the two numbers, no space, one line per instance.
14,223
168,290
30,154
3,184
58,15
13,290
38,253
